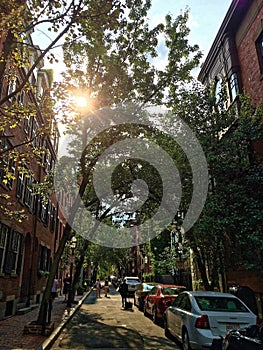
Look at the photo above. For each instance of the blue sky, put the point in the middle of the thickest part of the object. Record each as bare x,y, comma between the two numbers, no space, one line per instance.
205,19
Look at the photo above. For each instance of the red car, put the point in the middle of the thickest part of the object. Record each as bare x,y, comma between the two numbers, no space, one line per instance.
159,298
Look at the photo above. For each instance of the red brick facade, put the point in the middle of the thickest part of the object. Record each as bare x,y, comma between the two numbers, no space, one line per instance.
27,246
247,35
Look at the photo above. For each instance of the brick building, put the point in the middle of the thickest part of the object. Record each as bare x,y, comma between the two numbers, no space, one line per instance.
30,227
235,59
236,55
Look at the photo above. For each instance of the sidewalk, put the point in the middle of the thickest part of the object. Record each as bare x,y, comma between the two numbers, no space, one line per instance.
11,329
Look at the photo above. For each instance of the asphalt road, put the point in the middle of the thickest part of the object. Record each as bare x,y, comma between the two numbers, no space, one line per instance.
103,324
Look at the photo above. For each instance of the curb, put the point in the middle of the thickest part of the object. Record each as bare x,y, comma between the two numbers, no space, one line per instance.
47,343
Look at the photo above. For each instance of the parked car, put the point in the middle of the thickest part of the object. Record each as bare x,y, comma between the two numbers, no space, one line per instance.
159,298
141,293
196,318
250,338
132,283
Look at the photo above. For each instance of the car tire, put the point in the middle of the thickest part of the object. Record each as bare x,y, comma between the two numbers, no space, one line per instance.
185,340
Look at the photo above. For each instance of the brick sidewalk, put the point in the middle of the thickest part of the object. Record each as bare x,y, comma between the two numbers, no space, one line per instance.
11,329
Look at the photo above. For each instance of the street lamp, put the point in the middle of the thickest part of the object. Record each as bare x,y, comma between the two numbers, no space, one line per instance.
72,246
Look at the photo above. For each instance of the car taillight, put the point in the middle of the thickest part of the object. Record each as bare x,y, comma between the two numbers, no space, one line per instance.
202,322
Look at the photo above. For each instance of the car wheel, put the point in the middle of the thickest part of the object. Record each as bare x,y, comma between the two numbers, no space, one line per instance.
185,340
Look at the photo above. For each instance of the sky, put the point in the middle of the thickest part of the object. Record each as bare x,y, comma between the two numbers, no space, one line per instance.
205,19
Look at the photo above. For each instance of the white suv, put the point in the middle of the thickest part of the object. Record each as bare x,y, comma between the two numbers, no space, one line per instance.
133,283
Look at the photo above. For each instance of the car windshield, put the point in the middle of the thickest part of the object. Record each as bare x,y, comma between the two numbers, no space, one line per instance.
225,304
132,281
147,287
170,291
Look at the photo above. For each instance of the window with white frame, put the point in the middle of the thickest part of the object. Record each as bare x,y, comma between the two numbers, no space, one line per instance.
21,184
27,125
12,84
233,86
35,136
22,97
56,140
3,240
48,161
259,46
29,196
44,211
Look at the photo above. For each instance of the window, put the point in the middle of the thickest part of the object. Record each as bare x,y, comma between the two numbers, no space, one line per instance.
35,136
22,97
233,86
3,239
29,197
259,46
209,303
7,164
44,211
27,126
43,258
12,83
153,291
53,217
55,140
21,184
14,253
48,162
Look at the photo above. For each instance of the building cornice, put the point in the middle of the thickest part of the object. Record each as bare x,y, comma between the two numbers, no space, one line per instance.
230,24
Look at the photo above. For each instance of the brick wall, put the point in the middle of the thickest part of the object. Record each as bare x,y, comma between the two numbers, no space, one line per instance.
245,277
251,27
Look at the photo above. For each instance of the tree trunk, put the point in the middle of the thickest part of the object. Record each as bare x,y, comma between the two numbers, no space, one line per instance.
202,268
68,229
79,265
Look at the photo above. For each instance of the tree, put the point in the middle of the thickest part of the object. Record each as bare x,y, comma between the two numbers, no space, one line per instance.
113,67
116,67
226,224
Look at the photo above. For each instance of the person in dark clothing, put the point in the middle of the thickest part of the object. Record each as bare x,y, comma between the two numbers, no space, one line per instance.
66,287
106,287
123,290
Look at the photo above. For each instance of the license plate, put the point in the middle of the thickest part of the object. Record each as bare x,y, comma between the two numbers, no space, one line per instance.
231,326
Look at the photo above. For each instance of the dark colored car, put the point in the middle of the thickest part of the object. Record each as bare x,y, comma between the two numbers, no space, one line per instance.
141,293
250,338
159,298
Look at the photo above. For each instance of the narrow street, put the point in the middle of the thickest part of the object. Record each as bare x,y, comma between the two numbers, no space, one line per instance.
103,324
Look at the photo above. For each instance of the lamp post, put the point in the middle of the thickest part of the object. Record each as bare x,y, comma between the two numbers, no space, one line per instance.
73,244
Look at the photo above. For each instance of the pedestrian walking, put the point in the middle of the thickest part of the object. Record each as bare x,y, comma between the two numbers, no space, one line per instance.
123,290
106,287
98,287
54,292
66,286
